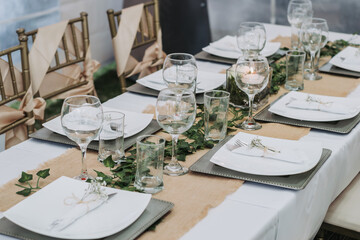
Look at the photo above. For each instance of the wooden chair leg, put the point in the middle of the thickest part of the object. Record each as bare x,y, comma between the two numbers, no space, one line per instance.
122,83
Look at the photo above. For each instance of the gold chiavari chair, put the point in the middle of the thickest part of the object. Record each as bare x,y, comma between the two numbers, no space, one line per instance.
69,60
147,32
13,86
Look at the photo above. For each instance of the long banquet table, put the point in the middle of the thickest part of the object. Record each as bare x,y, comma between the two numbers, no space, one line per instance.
254,211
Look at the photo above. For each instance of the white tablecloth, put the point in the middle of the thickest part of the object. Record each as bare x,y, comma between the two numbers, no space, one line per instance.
254,211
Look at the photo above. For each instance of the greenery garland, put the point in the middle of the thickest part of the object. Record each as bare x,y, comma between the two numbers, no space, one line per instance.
123,176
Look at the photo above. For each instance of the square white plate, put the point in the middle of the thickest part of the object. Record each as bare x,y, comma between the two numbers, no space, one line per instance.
348,58
268,166
226,47
38,211
134,122
206,81
280,108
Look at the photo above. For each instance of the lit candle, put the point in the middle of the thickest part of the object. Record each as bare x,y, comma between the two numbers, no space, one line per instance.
252,77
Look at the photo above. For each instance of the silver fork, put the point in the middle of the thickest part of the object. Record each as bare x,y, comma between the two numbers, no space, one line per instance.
237,144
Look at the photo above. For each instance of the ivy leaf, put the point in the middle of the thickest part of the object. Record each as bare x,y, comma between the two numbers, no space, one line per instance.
25,177
43,173
108,162
25,192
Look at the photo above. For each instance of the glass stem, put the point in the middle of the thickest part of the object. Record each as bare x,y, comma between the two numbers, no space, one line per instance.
294,37
251,100
173,161
83,162
312,62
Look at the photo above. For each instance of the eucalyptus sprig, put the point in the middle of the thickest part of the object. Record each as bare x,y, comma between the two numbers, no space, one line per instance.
256,143
26,178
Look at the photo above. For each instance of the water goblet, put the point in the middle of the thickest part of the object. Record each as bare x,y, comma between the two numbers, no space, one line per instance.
175,113
251,38
81,120
252,76
322,24
180,71
298,12
310,36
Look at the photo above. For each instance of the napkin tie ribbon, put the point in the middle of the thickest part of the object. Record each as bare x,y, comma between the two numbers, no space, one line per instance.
124,39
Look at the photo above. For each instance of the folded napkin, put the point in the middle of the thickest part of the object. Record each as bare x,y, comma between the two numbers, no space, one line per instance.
323,106
285,153
82,206
348,58
227,43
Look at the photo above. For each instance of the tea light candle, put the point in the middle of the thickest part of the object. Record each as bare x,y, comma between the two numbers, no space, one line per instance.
252,78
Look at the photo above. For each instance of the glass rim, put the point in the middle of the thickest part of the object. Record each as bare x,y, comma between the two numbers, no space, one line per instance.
97,100
171,55
291,52
174,89
116,112
161,140
226,94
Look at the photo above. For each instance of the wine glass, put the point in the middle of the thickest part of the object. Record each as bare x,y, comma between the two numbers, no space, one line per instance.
298,12
180,71
322,24
175,113
81,119
310,36
252,76
251,38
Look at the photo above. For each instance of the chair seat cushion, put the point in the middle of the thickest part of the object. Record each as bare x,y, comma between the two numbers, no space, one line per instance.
345,210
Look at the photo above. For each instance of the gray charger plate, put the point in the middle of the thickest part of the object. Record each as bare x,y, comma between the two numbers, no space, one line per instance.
138,88
212,58
331,69
153,212
295,182
342,126
47,135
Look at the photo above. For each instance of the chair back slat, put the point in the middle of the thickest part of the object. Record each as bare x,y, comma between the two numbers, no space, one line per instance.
2,89
66,50
75,41
12,74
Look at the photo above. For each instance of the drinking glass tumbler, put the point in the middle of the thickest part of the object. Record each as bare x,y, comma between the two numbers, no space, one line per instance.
111,139
149,163
216,104
295,70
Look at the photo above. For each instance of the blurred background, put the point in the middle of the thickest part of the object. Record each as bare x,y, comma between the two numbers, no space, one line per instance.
188,25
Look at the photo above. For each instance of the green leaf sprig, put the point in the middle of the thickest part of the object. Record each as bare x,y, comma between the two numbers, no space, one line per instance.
26,178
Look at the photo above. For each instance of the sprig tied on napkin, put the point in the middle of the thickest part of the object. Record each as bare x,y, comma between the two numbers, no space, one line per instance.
95,195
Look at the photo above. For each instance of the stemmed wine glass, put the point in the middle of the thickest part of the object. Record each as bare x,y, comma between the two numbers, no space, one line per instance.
252,76
81,120
298,12
310,36
251,38
180,71
175,113
321,24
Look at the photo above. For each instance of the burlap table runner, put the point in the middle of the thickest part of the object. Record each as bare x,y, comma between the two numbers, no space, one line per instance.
192,194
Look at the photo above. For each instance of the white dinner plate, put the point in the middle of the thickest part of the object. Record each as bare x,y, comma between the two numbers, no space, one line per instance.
38,211
348,58
206,81
134,122
280,108
226,47
311,152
